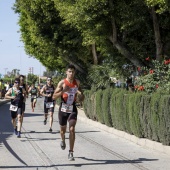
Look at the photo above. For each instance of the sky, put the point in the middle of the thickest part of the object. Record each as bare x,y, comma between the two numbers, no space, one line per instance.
12,54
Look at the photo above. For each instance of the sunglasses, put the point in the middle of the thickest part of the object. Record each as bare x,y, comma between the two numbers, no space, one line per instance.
16,82
49,80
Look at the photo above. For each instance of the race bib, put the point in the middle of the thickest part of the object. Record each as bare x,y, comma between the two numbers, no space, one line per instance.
13,108
49,105
71,95
66,108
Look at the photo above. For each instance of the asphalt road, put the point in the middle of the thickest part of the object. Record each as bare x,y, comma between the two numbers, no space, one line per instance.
94,148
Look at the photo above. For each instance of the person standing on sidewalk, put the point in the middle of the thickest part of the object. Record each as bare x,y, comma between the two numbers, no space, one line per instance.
68,89
47,91
17,96
33,91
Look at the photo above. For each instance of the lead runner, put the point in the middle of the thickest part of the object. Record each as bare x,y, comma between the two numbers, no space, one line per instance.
68,89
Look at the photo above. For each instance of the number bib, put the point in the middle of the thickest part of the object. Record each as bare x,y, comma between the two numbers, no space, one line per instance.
13,108
66,108
49,105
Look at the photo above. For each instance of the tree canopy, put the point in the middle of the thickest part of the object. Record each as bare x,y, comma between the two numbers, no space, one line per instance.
95,32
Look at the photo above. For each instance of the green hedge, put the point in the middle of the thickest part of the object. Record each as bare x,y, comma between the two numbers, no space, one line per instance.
99,109
140,114
106,107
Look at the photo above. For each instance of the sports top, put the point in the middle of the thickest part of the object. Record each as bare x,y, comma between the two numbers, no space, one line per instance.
49,90
70,96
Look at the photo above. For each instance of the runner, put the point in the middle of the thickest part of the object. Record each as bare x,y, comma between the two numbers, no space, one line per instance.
47,91
68,89
25,87
17,96
33,91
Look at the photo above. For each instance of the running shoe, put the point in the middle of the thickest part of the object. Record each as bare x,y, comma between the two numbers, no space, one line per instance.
15,131
19,134
50,130
70,156
63,145
45,121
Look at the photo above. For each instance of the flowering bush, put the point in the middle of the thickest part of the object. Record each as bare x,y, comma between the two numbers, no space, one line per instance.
157,78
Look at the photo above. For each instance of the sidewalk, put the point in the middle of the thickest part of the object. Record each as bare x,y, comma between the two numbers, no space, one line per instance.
139,141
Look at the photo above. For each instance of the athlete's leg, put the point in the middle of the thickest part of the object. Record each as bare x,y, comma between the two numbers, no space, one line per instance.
45,114
62,132
22,115
19,124
32,106
34,102
51,120
72,124
13,121
62,117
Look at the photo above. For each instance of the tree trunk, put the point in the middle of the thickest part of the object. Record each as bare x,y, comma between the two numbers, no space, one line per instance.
158,41
67,59
95,58
121,48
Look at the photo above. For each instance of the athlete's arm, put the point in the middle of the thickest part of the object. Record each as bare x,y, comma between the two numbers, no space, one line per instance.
25,94
26,90
29,90
8,94
58,91
42,91
80,92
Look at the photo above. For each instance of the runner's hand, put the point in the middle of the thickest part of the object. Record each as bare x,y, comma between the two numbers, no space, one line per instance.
13,97
49,95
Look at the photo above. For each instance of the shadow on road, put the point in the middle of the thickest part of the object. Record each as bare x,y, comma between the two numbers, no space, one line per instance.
134,162
6,130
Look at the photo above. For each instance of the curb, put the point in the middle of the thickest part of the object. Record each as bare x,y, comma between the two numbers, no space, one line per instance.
159,147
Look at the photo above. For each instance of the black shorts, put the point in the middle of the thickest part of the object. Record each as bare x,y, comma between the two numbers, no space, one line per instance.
46,110
32,99
63,117
23,107
18,112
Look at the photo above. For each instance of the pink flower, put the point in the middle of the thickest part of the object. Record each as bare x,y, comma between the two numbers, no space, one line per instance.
151,71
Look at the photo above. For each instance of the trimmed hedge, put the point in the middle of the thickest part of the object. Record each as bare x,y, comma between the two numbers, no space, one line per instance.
99,110
106,107
143,115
